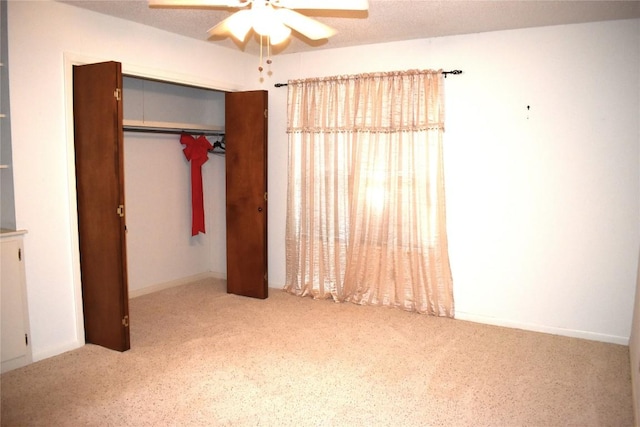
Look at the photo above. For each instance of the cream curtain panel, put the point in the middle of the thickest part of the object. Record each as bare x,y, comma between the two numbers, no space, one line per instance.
366,203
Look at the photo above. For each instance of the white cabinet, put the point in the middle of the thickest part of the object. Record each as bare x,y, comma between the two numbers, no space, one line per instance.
16,349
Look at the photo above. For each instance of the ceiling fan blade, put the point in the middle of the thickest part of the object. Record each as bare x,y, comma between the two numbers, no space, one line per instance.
323,4
198,3
306,26
238,25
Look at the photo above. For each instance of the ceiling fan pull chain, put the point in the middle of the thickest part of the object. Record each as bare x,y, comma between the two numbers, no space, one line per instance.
260,66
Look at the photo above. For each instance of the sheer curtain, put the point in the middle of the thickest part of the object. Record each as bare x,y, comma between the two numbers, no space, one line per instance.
366,206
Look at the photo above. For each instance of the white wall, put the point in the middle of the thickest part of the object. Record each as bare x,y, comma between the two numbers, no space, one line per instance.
42,37
543,212
542,203
160,248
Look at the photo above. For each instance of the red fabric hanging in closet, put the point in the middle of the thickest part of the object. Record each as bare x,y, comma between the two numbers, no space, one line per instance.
196,152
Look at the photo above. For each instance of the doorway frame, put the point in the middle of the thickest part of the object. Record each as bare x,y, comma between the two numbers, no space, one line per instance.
69,60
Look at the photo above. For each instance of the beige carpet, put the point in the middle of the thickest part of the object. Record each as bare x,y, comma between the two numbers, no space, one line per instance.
202,357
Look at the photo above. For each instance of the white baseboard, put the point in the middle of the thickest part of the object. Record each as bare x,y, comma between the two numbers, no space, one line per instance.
488,320
173,283
593,336
50,352
18,362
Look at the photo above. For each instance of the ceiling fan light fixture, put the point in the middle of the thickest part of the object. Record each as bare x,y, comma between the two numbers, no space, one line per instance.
279,33
240,24
267,24
272,20
263,18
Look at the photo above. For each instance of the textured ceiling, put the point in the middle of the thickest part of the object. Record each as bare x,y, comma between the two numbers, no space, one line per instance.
385,21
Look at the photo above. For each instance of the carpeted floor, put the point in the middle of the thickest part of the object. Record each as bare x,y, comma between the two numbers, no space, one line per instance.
202,357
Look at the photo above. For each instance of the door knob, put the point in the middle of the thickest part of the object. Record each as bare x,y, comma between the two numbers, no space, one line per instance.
259,209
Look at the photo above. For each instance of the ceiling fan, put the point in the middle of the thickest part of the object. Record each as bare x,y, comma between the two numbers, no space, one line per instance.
273,19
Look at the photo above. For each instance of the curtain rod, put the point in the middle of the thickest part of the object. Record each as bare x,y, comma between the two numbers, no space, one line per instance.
444,72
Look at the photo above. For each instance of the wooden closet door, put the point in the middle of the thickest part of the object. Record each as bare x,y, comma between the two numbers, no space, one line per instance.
97,109
246,176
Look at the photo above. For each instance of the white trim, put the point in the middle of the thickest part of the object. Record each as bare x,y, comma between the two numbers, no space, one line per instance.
55,351
488,320
11,233
10,365
69,61
173,283
179,78
593,336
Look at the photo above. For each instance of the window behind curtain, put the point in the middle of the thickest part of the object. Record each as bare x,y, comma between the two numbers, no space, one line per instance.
365,217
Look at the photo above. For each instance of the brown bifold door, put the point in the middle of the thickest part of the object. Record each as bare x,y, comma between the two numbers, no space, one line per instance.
98,134
246,180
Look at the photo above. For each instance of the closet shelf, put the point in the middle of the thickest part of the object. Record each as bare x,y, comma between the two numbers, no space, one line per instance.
171,127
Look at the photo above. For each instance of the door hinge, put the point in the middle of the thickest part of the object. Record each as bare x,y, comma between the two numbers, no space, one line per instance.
26,339
19,254
125,321
265,277
120,211
265,113
118,94
265,196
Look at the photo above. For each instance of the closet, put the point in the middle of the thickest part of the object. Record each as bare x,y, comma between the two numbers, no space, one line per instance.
161,251
98,139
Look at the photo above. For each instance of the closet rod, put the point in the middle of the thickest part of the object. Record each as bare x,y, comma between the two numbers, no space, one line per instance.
173,131
446,73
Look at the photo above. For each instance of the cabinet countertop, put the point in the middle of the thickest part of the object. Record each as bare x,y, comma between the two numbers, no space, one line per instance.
9,233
